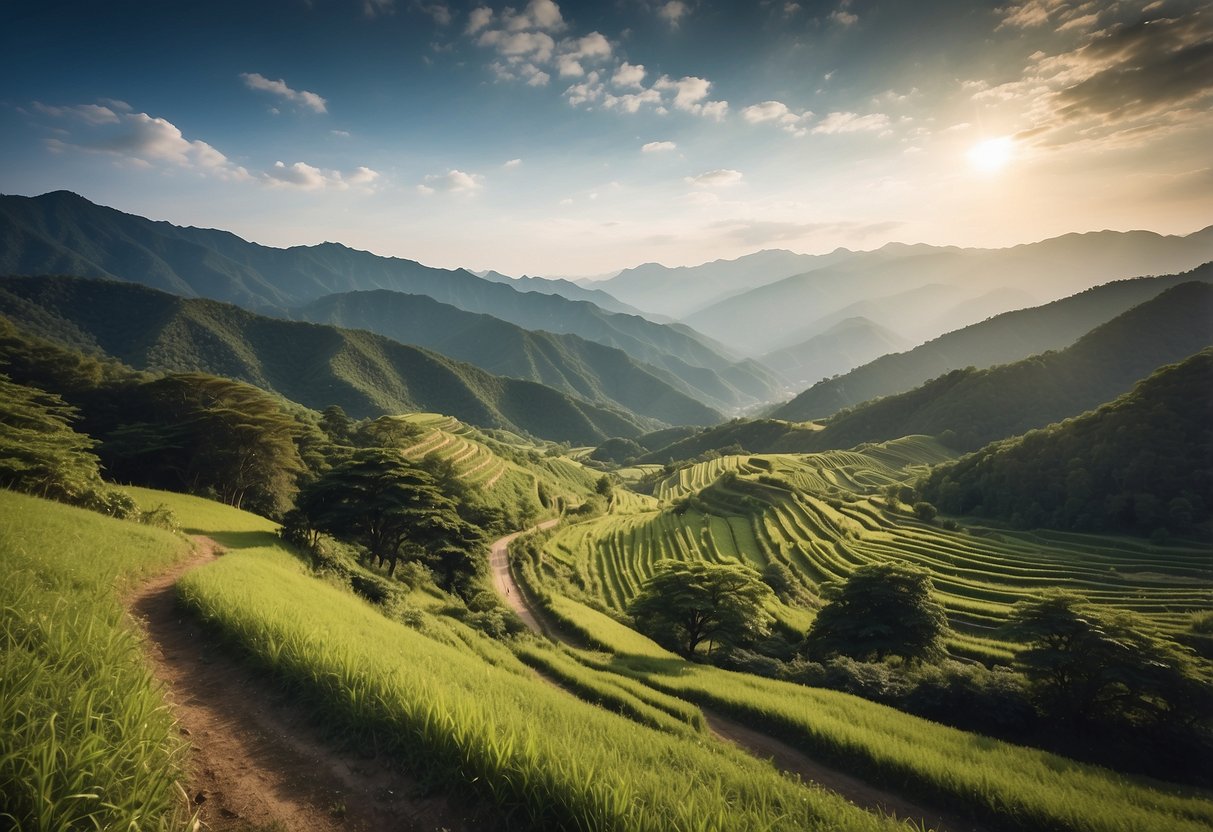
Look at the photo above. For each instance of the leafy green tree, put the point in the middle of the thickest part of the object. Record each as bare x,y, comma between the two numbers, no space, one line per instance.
1090,665
883,610
686,604
204,434
41,454
924,511
394,509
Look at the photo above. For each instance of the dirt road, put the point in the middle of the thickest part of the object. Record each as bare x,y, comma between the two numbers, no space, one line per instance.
257,760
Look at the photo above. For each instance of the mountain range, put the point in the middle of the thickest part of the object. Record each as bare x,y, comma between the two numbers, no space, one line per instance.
62,233
1005,338
364,373
922,292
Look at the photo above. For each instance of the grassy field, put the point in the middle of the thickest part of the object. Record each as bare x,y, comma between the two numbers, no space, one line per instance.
823,516
1003,785
543,757
87,742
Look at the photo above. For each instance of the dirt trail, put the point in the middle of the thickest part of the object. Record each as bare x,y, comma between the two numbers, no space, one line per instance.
257,760
783,756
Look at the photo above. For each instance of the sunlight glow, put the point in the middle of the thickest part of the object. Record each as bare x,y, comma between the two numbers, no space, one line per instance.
991,155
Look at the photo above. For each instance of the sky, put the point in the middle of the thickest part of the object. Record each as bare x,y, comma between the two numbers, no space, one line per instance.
580,138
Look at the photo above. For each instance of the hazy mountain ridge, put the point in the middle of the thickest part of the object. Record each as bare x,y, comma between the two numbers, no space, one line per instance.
565,288
850,342
975,407
1002,339
564,362
980,406
313,364
65,233
772,315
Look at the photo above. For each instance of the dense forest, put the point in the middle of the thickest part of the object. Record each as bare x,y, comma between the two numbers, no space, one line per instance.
1141,464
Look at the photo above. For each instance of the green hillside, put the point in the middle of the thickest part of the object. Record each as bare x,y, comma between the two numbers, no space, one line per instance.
1143,463
318,366
565,362
978,406
62,233
1002,339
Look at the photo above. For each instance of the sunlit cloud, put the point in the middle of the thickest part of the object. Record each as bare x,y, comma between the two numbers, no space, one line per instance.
720,178
308,100
658,147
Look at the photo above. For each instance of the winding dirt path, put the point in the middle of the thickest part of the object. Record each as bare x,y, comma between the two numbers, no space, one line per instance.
783,756
257,760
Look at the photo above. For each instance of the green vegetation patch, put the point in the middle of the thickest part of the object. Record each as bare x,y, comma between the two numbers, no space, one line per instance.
88,742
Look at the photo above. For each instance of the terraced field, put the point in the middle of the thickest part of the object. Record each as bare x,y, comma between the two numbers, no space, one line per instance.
507,472
823,516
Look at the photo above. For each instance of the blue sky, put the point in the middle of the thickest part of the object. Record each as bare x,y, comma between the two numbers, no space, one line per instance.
578,138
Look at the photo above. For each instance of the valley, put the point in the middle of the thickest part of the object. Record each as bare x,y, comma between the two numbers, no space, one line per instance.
379,545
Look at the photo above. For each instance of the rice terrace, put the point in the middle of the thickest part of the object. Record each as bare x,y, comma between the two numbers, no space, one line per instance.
663,416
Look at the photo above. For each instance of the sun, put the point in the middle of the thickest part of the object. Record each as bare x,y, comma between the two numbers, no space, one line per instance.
991,155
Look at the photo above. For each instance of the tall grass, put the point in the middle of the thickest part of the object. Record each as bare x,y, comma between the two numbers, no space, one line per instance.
1004,785
545,759
86,741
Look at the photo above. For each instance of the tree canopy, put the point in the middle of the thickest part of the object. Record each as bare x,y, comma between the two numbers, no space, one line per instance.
393,509
883,610
686,604
1091,665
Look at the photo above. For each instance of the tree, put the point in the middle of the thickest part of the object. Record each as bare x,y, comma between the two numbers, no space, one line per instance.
1091,665
884,609
393,509
205,434
41,454
924,511
686,604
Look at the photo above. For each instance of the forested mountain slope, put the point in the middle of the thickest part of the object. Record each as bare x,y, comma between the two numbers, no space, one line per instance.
1141,463
62,233
315,365
565,362
999,340
974,407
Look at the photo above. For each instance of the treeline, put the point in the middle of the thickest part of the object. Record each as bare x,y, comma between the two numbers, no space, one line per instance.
1142,464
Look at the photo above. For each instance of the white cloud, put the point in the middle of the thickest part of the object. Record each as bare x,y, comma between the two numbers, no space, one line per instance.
658,147
592,47
720,178
141,140
844,18
256,81
310,178
633,101
851,123
341,134
520,71
512,163
535,45
478,19
539,14
453,181
628,75
778,113
90,113
673,11
690,93
589,90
